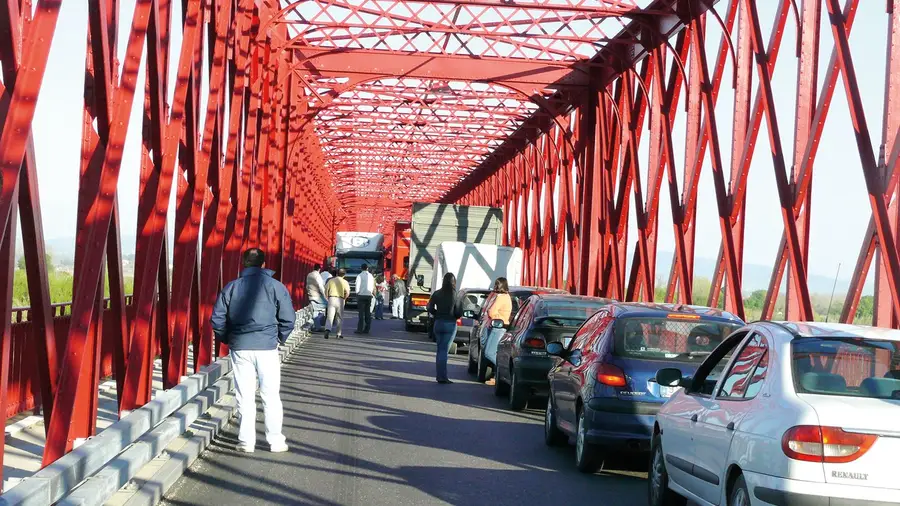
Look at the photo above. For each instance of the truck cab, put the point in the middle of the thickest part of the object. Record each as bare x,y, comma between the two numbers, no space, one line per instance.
355,249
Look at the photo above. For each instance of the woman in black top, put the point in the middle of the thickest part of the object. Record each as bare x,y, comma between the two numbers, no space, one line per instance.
445,309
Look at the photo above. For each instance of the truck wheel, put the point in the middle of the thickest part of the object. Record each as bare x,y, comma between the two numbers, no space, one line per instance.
453,348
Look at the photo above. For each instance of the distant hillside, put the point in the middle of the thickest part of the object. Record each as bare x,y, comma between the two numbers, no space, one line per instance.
63,249
756,277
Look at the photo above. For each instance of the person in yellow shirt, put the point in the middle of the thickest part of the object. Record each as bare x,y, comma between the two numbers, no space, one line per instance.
337,290
500,309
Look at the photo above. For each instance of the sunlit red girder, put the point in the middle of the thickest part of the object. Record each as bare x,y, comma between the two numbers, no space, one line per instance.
322,115
32,230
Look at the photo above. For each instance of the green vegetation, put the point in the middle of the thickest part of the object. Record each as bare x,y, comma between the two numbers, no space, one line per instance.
753,304
60,284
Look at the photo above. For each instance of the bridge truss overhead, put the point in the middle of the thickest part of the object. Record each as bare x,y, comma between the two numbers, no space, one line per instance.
279,122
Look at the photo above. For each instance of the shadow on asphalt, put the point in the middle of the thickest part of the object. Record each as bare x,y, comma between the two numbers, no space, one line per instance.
504,457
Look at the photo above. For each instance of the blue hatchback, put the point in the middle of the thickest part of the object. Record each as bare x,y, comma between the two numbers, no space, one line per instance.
603,389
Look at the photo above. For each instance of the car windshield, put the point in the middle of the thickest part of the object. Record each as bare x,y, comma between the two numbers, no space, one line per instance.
669,338
565,315
850,367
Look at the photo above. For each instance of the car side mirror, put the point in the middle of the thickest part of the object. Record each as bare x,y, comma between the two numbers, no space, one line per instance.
556,349
670,377
497,324
420,280
468,313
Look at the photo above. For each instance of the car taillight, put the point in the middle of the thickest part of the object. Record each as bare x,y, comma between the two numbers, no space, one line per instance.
610,375
832,445
533,342
420,301
459,321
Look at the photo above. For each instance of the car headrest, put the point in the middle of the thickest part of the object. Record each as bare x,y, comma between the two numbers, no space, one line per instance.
880,387
823,382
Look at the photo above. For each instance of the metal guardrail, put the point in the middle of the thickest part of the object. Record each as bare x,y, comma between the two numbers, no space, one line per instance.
115,446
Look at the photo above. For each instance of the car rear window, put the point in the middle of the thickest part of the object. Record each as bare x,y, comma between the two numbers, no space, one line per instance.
848,367
669,338
561,314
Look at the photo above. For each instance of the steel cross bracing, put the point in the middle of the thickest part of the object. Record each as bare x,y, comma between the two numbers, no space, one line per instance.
571,115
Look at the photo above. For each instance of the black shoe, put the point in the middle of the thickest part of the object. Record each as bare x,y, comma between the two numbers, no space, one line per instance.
445,382
358,332
340,336
326,333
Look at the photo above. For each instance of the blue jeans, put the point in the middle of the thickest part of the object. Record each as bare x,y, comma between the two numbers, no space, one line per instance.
444,333
379,307
493,341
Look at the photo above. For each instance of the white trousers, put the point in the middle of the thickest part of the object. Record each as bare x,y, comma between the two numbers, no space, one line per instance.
397,307
264,365
334,317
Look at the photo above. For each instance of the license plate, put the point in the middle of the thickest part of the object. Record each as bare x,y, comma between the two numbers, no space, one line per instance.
666,392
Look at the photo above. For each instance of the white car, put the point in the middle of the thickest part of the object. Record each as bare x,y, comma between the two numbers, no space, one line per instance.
806,414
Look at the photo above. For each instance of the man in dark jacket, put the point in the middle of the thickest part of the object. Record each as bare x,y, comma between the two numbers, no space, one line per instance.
252,315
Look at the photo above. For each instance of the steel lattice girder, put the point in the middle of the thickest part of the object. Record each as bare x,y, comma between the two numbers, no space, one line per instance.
324,114
607,130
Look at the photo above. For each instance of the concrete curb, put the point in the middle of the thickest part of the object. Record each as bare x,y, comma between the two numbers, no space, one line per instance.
52,483
155,479
107,461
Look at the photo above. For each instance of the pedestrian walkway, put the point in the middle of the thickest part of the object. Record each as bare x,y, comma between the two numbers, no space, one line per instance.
367,424
25,434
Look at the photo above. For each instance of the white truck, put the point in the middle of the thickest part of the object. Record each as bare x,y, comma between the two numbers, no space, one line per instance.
352,250
477,265
431,226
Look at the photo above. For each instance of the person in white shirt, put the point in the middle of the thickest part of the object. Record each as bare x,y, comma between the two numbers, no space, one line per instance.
315,292
365,289
326,276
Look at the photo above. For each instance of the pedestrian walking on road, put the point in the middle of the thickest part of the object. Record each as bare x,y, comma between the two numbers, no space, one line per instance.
338,291
444,308
315,292
326,275
365,290
399,299
501,309
252,315
380,293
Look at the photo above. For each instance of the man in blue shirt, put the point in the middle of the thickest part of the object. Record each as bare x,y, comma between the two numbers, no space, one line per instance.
252,315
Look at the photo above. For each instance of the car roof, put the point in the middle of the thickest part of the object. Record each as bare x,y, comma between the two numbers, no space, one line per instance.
567,297
821,329
653,309
475,290
542,289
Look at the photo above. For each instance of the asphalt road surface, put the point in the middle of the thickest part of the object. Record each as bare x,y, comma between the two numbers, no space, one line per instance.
368,425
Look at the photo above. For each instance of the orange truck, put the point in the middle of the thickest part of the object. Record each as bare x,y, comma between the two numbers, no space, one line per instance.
400,249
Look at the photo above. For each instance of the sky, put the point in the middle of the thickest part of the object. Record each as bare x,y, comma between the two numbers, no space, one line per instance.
840,209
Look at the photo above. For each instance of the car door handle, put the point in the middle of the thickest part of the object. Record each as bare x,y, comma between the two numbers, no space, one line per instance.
693,418
730,426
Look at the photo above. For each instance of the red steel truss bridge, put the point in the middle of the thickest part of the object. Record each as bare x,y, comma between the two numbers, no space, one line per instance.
276,122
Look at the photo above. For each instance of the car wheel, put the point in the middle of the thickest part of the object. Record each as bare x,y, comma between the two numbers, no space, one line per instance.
453,348
586,455
552,435
482,367
408,326
739,496
501,388
659,493
518,395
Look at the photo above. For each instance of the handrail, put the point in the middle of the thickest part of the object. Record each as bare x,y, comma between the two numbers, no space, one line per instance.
23,314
